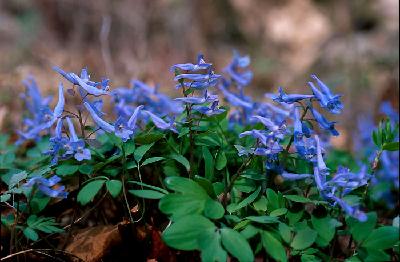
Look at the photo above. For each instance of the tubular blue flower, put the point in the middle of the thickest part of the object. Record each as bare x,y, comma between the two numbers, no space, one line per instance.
89,86
57,142
76,146
100,122
271,149
326,98
211,110
160,123
46,186
201,65
298,127
237,72
234,100
282,97
293,177
320,160
194,79
349,181
133,119
352,211
324,123
198,100
257,134
276,130
122,130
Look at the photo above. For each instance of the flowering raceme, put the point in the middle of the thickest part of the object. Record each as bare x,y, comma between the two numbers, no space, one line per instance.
287,127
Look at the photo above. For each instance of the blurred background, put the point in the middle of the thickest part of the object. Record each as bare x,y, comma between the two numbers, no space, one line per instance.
351,45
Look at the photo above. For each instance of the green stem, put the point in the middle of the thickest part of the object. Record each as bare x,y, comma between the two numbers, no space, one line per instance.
123,182
234,177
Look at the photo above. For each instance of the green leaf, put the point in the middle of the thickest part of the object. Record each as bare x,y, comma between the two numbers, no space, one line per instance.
261,204
325,227
248,200
31,234
86,169
184,185
146,193
89,191
262,219
360,230
5,197
304,238
237,245
375,255
114,187
213,209
182,160
206,185
16,178
183,234
209,139
382,238
298,199
285,232
392,146
208,163
179,205
149,186
273,200
141,151
129,147
149,138
273,246
278,212
38,203
210,246
152,160
67,169
221,160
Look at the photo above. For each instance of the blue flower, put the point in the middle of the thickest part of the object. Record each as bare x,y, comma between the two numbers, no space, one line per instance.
237,70
293,177
282,97
234,100
45,118
160,123
260,135
349,181
276,130
201,65
320,160
198,100
326,98
76,146
209,110
324,123
97,119
194,79
352,211
46,186
57,142
122,130
84,82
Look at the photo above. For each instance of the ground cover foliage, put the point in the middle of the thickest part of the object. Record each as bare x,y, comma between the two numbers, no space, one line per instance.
211,175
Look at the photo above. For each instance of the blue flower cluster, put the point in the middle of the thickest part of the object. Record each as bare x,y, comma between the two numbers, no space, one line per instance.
48,186
307,144
141,104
